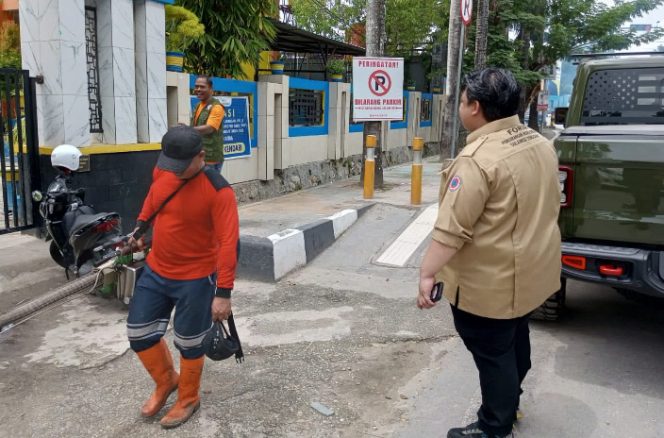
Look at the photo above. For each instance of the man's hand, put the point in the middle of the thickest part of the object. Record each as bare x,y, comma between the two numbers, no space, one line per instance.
221,308
424,296
136,245
436,257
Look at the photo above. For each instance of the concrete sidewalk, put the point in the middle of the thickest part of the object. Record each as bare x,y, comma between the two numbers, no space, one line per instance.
284,233
278,235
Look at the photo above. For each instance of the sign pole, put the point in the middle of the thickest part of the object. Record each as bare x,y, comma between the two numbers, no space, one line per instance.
466,18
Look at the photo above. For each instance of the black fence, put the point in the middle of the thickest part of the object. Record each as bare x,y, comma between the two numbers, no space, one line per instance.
305,107
19,161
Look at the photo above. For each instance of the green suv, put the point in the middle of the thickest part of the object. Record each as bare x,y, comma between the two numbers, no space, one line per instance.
611,156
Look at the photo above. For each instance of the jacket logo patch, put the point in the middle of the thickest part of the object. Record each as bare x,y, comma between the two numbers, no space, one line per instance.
455,183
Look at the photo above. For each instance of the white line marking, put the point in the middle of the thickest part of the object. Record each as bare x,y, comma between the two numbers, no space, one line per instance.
407,243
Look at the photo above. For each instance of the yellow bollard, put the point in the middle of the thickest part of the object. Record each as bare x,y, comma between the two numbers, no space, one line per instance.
416,173
370,167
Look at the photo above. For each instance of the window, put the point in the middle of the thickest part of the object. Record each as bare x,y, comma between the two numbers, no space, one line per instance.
425,111
94,100
306,107
628,96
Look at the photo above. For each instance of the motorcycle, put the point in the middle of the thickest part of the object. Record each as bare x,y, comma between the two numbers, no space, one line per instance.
74,228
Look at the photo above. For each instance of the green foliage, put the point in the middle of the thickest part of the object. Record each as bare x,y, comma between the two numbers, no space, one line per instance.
530,36
415,25
10,45
236,32
182,28
410,24
336,66
335,22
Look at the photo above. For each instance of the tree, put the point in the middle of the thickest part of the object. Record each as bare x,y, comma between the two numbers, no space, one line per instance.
530,36
328,18
10,45
236,32
482,34
450,122
410,25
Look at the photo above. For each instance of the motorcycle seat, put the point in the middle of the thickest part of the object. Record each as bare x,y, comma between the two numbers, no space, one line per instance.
85,219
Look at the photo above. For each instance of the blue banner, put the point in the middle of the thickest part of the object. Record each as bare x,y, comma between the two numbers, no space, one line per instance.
237,141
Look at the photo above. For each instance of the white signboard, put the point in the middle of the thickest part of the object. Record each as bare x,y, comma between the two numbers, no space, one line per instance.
377,89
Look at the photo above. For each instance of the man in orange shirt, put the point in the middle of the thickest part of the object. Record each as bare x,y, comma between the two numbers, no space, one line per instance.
191,268
207,120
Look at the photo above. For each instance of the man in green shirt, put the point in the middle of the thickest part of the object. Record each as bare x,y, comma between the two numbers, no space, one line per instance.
207,120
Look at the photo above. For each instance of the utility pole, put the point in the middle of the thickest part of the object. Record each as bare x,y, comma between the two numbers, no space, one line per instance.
482,35
376,38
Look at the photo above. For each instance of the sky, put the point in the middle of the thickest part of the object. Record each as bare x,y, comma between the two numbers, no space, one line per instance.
654,16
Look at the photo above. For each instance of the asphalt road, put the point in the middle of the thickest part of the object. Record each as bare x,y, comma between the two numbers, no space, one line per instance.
343,332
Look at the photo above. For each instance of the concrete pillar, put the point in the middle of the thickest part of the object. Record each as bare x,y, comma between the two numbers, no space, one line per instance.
414,104
116,70
151,93
281,151
53,45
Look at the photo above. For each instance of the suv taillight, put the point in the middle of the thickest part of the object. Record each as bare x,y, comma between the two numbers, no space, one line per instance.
566,179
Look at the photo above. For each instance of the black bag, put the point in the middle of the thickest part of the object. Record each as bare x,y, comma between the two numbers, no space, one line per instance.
219,344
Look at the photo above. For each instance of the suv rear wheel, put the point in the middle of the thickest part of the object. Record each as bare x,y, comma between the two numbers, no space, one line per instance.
552,309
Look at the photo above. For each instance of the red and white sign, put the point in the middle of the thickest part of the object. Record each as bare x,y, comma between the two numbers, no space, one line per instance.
377,89
466,11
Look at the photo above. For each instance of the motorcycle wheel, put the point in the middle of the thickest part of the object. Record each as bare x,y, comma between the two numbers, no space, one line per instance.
57,255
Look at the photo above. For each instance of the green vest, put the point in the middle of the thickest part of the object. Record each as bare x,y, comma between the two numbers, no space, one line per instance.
212,143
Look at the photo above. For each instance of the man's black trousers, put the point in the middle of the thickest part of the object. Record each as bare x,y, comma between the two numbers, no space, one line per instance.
501,349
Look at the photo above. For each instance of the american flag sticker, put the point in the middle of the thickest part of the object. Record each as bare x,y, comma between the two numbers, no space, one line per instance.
455,183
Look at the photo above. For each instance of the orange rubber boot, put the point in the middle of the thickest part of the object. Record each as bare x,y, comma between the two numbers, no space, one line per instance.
158,362
188,399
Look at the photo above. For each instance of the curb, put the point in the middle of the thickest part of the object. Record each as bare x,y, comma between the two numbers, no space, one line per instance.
271,258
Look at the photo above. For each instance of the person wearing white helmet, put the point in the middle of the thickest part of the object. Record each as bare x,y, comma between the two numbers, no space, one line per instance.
66,157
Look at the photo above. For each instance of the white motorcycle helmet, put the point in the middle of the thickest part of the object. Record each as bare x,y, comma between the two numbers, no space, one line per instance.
66,156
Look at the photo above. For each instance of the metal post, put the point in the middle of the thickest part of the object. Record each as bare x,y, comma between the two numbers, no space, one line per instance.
416,173
369,167
457,95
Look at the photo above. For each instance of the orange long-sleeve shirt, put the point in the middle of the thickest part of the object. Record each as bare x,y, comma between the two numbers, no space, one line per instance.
197,231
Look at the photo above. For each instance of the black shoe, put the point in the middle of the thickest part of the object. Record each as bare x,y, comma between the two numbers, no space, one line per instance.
473,431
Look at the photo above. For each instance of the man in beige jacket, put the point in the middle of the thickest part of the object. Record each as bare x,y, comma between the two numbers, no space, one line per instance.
496,243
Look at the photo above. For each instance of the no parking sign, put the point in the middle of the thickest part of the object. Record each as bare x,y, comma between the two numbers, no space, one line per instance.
377,89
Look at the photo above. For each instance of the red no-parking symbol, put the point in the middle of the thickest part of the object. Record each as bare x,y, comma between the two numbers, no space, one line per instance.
380,83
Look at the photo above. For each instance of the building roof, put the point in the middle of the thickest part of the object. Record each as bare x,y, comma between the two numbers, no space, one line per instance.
292,39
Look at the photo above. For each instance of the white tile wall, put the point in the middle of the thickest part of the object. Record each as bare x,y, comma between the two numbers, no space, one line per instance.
122,15
51,68
74,68
125,120
142,122
155,18
156,64
77,119
72,20
124,79
49,21
51,120
29,21
158,118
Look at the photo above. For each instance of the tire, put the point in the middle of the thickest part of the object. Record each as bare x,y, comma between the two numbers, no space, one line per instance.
552,309
57,256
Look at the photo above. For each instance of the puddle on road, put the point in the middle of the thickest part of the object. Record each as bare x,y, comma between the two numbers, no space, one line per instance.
87,335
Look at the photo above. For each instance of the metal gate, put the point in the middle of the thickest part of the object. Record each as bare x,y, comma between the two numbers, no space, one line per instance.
19,161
